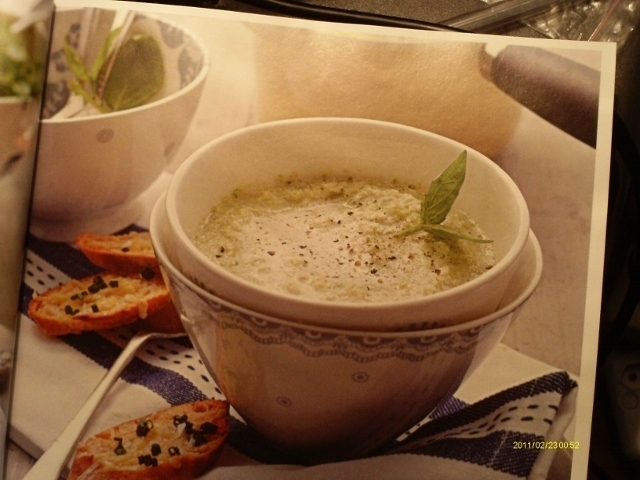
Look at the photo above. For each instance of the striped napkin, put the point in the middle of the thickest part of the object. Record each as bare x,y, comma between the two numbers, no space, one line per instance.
478,433
507,435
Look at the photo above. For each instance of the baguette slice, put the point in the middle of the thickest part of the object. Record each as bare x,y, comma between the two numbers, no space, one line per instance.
99,302
121,453
128,253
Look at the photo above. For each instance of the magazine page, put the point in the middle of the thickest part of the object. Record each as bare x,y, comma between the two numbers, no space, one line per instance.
24,33
382,247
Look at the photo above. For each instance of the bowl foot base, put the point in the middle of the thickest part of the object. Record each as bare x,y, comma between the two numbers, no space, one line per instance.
104,222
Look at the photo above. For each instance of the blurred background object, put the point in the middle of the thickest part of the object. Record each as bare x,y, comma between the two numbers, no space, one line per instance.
24,33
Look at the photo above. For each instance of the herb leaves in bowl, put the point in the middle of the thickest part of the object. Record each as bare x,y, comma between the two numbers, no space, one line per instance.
134,78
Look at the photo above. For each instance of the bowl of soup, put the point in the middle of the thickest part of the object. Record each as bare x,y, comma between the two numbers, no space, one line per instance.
326,393
313,220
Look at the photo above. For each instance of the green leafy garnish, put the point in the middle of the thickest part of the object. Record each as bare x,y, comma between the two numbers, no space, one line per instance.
21,60
101,58
86,83
75,63
136,75
438,201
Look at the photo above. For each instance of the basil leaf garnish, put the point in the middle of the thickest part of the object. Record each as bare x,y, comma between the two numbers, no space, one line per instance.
438,201
443,191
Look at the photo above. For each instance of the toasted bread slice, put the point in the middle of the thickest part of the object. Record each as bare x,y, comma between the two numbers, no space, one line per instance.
127,253
179,443
99,302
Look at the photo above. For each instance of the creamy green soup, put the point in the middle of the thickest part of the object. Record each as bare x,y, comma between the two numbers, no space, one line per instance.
337,240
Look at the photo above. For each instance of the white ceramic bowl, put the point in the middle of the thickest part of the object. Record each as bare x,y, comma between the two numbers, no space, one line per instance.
332,393
364,149
91,169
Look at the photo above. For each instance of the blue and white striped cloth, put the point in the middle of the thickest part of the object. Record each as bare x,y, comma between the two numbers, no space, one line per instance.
497,437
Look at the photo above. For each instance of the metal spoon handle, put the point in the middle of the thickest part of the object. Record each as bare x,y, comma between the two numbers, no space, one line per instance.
55,458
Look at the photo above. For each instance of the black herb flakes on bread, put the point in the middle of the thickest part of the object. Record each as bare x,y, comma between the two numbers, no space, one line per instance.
179,443
132,290
126,253
99,302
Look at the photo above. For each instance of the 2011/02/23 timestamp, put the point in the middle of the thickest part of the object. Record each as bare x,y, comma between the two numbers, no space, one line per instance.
546,445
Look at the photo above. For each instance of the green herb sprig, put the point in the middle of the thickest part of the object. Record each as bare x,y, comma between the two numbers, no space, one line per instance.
136,77
438,201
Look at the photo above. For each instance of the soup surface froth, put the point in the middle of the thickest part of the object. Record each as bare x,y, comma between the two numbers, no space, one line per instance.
337,240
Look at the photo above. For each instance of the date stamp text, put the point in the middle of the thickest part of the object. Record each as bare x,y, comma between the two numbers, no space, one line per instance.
546,445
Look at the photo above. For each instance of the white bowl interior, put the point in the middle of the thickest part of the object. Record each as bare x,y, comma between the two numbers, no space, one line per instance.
360,148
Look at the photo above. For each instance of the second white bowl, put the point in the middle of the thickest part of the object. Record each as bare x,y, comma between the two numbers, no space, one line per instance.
92,169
